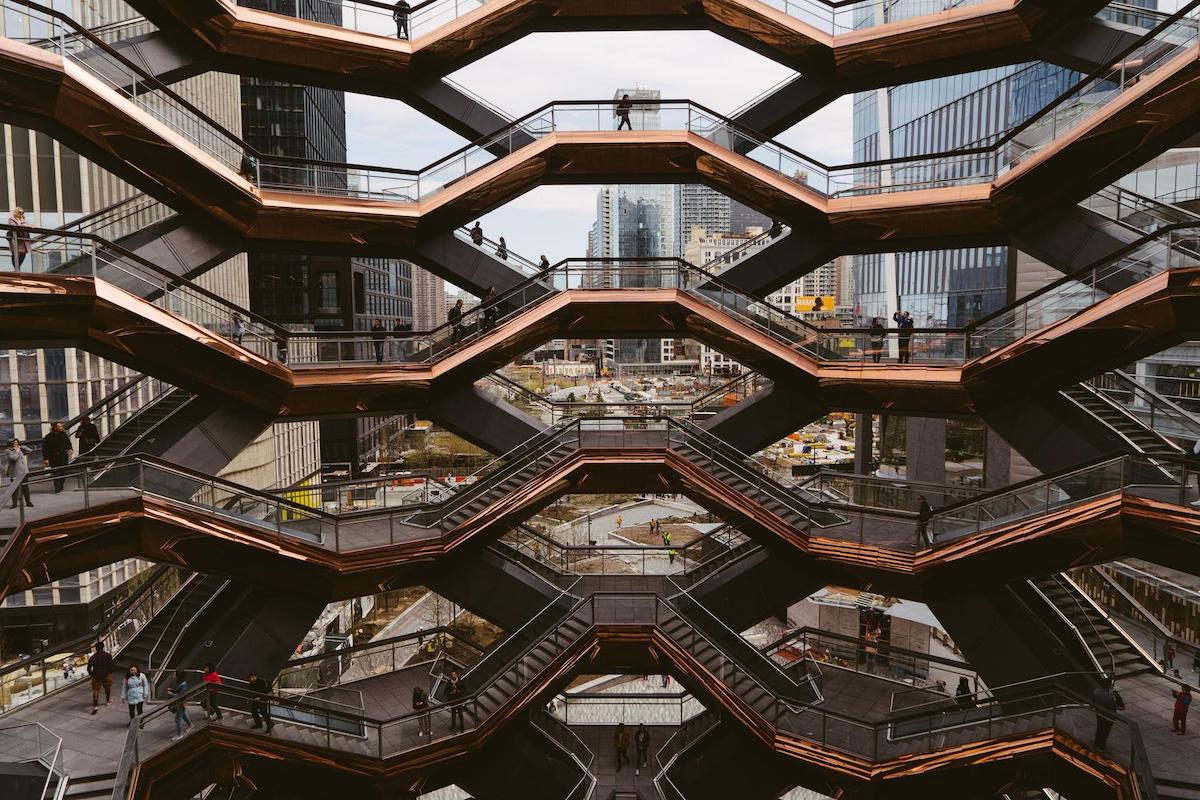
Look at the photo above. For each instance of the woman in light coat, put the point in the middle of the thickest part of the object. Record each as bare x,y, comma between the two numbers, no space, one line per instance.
15,464
19,244
134,691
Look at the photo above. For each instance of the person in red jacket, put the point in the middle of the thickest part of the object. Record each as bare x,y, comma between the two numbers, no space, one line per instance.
212,703
1183,701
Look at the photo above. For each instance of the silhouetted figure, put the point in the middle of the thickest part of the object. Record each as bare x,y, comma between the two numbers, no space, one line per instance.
477,235
57,452
502,250
621,742
905,323
641,741
924,512
379,336
260,707
87,434
963,695
544,263
454,316
490,310
1107,702
400,13
623,109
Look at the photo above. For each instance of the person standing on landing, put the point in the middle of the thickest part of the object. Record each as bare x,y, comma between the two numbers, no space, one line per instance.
19,244
99,668
212,702
905,323
88,435
1183,701
14,462
57,452
134,691
178,690
400,13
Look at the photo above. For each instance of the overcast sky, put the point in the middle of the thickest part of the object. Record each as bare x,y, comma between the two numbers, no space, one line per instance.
538,69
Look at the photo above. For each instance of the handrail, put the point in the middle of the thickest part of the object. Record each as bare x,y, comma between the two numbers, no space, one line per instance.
375,643
166,659
1049,693
1136,388
115,396
673,603
1111,674
556,603
158,573
801,633
539,718
706,723
165,275
191,584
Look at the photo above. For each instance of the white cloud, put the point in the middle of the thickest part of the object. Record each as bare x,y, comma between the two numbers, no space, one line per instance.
542,68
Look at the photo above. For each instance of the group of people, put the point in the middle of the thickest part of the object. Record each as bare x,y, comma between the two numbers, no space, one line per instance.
641,741
135,691
56,452
876,334
379,336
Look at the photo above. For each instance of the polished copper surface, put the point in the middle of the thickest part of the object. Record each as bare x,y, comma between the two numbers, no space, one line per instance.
372,553
41,91
44,310
1045,755
247,41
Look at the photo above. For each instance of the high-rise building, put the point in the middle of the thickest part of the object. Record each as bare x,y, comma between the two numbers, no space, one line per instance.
429,300
699,207
39,387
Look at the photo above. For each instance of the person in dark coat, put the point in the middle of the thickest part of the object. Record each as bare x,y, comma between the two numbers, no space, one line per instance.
379,335
87,434
56,452
99,668
400,13
623,109
1105,700
905,323
641,742
454,693
260,707
621,742
477,235
963,695
454,316
924,512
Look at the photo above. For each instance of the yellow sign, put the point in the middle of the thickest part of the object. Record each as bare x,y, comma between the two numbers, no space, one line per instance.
815,303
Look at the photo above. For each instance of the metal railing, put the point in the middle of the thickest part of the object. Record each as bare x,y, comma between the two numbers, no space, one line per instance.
33,743
827,16
1152,52
62,665
86,255
377,657
1160,414
636,559
881,659
625,708
573,747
